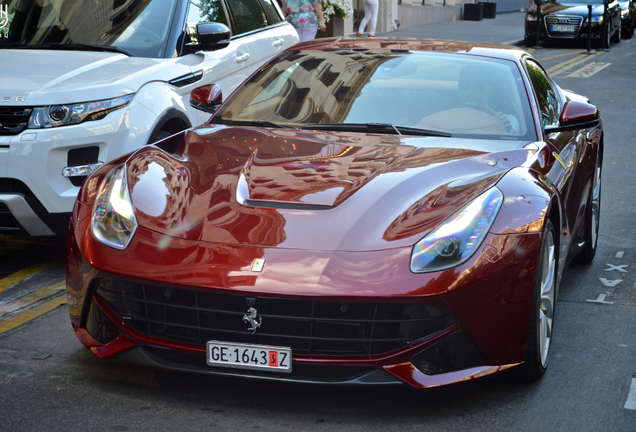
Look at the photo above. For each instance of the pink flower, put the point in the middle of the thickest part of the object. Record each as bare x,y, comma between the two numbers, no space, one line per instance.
309,8
289,10
302,20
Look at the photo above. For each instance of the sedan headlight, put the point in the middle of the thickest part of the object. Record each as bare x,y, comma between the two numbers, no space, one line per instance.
597,19
63,115
457,238
113,221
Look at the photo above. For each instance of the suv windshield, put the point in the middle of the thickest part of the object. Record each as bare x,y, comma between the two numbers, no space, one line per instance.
138,27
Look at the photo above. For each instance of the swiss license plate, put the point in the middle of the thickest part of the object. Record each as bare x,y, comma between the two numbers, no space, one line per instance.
563,28
247,356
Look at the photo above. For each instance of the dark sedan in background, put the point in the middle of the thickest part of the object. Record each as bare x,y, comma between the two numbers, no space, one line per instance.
567,20
628,15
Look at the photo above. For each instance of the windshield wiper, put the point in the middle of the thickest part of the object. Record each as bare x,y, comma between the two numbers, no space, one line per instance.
377,127
74,47
262,123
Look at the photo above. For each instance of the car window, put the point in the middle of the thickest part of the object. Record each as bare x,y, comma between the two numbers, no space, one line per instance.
461,95
248,15
140,27
273,16
546,94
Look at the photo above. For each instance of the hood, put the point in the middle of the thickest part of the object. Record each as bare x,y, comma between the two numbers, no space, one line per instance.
45,77
310,190
567,9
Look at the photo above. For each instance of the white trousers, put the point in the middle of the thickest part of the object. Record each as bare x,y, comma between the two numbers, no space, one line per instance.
307,33
370,15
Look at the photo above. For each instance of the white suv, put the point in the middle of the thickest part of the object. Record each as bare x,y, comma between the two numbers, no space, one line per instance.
82,82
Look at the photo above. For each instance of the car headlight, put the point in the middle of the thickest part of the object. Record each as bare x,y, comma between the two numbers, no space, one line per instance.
63,115
530,17
113,221
597,19
457,238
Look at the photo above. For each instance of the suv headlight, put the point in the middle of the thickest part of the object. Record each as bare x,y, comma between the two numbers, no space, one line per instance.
113,221
63,115
531,17
457,238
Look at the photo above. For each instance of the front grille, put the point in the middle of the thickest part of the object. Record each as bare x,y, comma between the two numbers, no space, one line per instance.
563,26
309,327
14,120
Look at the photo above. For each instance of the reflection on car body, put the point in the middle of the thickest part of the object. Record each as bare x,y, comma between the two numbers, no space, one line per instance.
349,206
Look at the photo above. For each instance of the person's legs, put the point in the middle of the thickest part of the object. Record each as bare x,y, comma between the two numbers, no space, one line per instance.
373,9
365,20
307,33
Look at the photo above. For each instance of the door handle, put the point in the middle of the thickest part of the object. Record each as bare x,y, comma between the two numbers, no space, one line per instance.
278,42
242,58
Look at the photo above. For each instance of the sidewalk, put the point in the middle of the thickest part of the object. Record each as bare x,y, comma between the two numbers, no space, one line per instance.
507,28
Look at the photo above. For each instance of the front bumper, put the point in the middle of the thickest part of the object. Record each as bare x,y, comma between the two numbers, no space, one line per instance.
488,300
34,195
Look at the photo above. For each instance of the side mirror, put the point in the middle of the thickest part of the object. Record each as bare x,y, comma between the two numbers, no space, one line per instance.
211,36
207,98
576,115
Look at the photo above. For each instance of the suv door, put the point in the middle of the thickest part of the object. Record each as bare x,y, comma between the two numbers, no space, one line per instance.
260,24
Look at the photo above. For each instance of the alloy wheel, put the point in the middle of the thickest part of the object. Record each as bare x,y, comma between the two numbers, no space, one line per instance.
546,300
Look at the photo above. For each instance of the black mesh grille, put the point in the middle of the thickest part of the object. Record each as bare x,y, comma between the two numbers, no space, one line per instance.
564,26
309,327
14,120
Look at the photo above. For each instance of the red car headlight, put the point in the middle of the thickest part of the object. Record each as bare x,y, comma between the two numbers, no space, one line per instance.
458,237
113,220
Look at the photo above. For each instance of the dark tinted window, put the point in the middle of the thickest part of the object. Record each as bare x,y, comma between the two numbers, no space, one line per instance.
248,15
547,95
273,16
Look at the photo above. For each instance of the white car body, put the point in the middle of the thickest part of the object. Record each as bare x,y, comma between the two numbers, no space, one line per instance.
32,187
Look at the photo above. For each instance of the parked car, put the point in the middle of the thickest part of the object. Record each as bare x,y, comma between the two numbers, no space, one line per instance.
628,17
358,211
84,82
568,21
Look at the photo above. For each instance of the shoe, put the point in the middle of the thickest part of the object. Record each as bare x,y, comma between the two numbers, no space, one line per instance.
371,36
358,34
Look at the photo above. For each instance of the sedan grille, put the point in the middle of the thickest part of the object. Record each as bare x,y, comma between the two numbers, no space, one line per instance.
309,327
562,26
14,120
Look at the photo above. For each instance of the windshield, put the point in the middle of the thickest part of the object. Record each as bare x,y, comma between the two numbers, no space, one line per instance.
582,2
461,95
139,27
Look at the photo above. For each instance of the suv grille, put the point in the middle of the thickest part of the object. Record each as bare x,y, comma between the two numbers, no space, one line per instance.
562,26
309,327
14,120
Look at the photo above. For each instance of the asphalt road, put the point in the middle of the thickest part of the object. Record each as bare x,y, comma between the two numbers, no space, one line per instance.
49,381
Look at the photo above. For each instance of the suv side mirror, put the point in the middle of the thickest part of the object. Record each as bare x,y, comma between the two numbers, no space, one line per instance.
211,36
576,115
207,98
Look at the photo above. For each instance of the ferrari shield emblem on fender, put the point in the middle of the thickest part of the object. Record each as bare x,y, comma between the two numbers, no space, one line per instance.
257,265
251,318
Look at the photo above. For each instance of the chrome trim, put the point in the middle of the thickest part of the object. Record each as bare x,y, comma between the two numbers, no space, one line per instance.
80,170
25,215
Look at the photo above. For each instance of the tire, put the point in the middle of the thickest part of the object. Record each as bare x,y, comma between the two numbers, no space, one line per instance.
592,220
629,31
543,306
529,41
606,42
